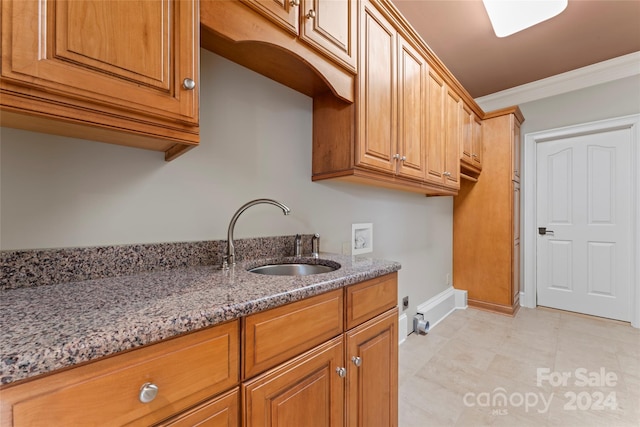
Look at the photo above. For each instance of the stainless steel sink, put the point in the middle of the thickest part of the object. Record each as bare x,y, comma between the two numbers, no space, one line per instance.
294,269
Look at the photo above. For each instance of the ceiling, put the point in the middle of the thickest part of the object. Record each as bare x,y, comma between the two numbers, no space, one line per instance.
460,34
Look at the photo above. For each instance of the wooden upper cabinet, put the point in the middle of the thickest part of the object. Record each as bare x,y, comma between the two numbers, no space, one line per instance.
477,151
516,148
452,140
282,12
331,27
377,96
404,129
466,143
470,142
116,64
443,154
327,25
436,141
412,110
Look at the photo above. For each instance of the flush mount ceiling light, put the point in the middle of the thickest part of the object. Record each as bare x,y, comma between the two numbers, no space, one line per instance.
510,16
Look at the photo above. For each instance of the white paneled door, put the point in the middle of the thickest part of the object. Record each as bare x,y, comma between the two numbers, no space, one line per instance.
584,203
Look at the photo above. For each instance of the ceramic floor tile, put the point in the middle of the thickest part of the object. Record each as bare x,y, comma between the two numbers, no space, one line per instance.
416,352
439,405
474,352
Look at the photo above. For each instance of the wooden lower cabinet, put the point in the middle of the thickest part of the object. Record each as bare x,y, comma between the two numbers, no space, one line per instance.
223,411
300,366
186,371
306,391
349,380
372,372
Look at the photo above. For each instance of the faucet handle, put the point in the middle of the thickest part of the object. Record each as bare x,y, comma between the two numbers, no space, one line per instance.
315,245
297,246
225,262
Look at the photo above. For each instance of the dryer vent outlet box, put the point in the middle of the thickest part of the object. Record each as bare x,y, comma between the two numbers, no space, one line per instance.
420,326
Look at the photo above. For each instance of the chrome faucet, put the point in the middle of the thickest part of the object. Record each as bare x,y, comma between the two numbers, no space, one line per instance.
230,257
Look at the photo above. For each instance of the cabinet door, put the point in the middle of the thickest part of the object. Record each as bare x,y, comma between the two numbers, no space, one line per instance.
372,372
412,111
281,12
466,143
330,26
223,411
435,123
377,97
516,149
132,55
477,146
306,391
452,140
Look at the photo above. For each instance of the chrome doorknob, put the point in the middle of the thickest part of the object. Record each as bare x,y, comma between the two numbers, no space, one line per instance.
311,14
356,361
295,3
342,372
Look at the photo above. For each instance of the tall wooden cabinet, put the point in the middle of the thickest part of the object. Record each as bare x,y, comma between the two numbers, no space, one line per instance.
486,220
79,72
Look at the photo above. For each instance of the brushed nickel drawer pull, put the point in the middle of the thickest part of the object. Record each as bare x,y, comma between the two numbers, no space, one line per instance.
148,392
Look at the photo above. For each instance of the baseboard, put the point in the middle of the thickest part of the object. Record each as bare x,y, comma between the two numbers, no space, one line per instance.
402,329
496,308
440,306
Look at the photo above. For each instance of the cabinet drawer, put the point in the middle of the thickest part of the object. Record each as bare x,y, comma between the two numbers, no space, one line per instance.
186,370
368,299
223,411
275,335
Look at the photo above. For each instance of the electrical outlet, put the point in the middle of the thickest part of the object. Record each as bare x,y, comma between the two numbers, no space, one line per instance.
405,303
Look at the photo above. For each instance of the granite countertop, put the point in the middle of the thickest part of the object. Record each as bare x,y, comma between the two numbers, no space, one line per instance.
45,328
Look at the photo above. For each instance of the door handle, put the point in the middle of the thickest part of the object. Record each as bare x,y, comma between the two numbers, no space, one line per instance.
543,230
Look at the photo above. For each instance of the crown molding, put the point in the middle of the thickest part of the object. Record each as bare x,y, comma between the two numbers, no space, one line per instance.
591,75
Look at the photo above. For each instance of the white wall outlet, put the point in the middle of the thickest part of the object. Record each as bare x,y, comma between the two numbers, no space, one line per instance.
346,248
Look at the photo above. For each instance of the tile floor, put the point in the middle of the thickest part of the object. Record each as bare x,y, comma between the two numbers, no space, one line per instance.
542,367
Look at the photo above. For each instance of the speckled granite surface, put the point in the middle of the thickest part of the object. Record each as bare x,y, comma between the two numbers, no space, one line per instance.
50,266
49,327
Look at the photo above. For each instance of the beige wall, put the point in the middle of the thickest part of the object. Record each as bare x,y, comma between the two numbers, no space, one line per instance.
256,142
